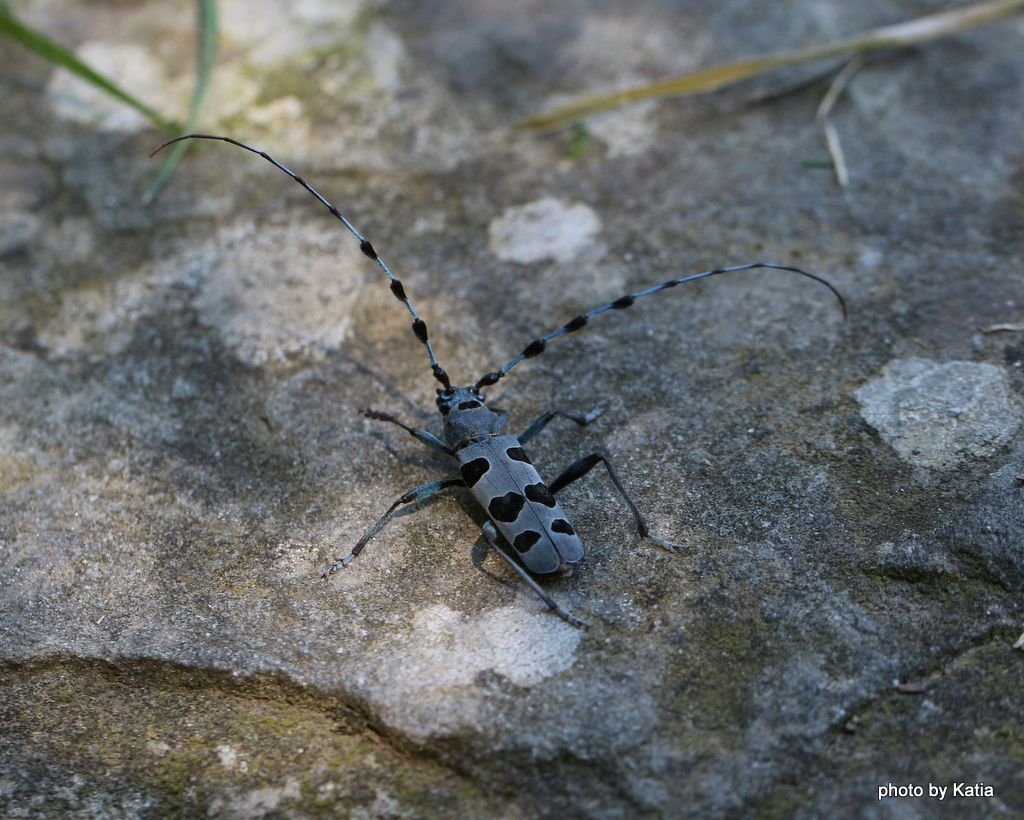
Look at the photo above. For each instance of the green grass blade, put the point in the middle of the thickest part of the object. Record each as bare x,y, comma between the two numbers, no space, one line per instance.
901,35
208,28
60,56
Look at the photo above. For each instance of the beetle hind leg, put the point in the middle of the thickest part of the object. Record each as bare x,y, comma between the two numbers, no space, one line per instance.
491,535
582,466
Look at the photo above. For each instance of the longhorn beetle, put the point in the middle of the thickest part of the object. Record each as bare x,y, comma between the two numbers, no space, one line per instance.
493,465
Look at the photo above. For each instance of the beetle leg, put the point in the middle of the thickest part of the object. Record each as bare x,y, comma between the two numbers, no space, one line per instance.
580,468
427,438
491,534
420,493
542,421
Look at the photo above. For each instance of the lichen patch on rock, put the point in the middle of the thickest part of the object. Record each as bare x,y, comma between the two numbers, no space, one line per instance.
938,415
425,681
544,229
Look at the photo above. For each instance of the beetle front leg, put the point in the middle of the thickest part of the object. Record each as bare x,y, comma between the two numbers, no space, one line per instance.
491,535
580,468
420,493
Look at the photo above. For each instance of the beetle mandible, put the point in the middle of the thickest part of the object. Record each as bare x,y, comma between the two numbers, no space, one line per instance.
493,465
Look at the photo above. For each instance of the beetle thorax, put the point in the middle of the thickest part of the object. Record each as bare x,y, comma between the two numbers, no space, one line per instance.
466,417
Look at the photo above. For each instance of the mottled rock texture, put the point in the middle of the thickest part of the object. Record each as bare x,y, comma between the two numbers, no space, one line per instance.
181,451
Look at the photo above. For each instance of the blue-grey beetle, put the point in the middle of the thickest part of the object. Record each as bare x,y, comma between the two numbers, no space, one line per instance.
493,465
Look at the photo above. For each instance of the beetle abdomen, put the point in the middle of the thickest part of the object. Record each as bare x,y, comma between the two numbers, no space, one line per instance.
505,483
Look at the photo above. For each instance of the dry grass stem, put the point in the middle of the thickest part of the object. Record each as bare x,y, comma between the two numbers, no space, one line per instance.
910,33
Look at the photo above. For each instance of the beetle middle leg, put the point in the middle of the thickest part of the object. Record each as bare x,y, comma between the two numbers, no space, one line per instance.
491,535
581,467
542,421
420,493
422,435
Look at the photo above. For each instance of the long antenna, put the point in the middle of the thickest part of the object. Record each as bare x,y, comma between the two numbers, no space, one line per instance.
419,327
538,346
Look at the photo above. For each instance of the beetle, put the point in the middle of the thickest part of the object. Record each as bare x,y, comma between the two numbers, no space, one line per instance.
493,465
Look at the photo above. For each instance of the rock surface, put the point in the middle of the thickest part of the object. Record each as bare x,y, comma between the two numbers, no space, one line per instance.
181,451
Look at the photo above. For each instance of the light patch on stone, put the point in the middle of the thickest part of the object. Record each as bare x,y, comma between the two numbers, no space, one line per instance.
271,31
280,291
256,803
544,229
284,109
386,55
228,756
938,415
134,68
628,132
424,682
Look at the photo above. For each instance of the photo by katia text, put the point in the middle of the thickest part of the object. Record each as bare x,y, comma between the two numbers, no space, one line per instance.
934,790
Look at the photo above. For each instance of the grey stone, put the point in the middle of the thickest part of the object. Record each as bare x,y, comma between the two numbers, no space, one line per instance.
181,449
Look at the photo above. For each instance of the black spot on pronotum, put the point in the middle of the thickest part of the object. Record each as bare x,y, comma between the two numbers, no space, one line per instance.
398,289
525,540
575,324
367,248
419,327
472,404
473,470
517,454
541,494
562,526
506,507
534,348
623,302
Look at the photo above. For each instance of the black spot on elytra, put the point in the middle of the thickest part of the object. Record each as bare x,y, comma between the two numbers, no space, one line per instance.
473,470
541,494
517,454
575,324
525,540
506,507
623,302
469,405
562,526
